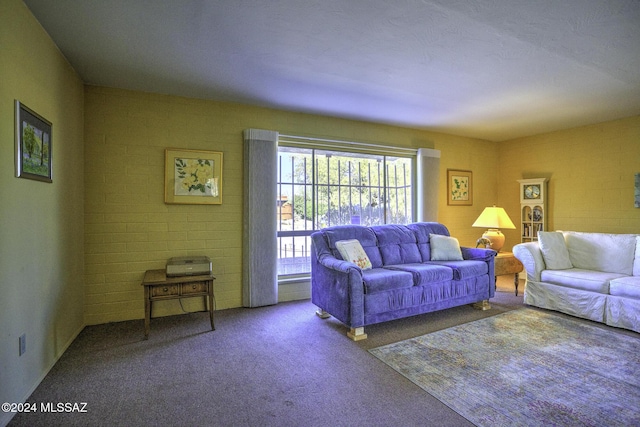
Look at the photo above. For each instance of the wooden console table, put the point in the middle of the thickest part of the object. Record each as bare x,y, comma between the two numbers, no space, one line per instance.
158,287
507,263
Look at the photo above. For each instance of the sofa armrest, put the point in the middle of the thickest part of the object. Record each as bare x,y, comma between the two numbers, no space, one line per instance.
336,285
478,254
486,255
336,264
530,256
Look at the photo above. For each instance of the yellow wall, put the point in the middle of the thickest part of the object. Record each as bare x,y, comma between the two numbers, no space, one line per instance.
591,176
130,229
41,237
479,157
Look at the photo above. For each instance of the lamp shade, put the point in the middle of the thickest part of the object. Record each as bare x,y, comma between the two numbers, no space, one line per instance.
493,217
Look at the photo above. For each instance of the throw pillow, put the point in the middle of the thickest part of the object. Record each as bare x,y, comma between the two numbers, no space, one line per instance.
352,251
444,248
554,250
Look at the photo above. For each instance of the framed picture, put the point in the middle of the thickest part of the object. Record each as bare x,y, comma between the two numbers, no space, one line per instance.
193,177
33,145
636,199
459,187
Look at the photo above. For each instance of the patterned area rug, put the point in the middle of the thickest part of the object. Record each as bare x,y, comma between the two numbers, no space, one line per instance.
527,368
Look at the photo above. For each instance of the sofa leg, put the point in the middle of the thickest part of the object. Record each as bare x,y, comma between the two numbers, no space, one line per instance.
482,305
322,314
357,334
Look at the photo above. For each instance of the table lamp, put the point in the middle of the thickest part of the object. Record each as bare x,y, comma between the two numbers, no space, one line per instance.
494,218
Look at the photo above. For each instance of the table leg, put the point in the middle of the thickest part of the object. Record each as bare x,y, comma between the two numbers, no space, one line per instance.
147,312
516,281
210,286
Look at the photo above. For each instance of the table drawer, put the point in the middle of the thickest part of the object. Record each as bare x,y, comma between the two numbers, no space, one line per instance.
164,291
194,288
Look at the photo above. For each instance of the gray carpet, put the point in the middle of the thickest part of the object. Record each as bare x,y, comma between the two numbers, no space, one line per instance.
269,366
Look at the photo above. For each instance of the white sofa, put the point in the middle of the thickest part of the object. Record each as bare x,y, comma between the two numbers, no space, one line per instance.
595,276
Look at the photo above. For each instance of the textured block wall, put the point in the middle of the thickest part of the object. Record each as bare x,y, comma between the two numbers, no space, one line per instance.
128,227
591,176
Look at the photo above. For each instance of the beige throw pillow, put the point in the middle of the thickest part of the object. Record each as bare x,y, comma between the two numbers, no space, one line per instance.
352,251
554,250
444,248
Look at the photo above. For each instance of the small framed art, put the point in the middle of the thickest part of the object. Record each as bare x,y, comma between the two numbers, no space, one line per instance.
33,145
636,194
193,177
459,187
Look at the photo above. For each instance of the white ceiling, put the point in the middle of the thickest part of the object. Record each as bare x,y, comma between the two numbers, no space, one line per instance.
491,69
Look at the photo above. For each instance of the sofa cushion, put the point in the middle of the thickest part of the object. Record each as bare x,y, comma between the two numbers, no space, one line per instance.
382,279
628,287
554,250
424,273
444,248
464,269
612,253
364,235
351,250
397,244
576,278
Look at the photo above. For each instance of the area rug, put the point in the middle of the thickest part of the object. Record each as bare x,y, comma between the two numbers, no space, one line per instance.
526,368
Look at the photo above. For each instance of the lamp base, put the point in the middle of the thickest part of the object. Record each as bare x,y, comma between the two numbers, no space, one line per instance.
495,237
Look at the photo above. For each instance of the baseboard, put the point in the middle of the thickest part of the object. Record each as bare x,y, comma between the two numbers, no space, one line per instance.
6,417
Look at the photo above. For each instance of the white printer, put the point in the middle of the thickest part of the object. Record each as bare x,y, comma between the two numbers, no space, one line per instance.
188,266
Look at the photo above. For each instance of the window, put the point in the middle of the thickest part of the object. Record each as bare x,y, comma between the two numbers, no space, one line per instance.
319,188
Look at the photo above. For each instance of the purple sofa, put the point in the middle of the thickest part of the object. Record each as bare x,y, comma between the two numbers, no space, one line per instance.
403,280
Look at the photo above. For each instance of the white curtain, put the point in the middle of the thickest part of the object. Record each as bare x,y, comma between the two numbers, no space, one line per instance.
259,248
428,176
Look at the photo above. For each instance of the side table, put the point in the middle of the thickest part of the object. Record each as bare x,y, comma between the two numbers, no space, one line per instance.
158,287
507,263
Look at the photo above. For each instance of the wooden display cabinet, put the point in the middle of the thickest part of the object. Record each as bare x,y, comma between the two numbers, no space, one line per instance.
533,210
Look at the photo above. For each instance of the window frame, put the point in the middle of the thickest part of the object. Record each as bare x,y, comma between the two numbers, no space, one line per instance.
347,147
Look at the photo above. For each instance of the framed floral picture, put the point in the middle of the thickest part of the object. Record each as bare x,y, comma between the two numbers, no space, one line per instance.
193,177
33,145
459,187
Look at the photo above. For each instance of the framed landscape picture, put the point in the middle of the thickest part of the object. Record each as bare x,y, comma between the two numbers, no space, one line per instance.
193,177
636,196
33,145
459,187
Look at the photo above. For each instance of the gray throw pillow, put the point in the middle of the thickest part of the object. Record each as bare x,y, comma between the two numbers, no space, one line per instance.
444,248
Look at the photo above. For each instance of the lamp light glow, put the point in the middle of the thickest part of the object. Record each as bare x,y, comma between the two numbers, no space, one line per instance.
494,218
